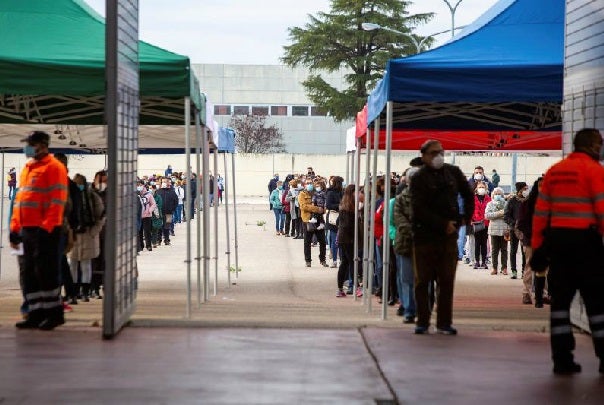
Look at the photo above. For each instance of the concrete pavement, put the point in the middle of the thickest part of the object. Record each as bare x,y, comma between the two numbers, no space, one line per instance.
280,335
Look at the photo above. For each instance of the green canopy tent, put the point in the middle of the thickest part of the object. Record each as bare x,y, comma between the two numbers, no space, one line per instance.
52,78
52,73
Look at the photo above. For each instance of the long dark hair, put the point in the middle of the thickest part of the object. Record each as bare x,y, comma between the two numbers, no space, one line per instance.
337,183
531,200
347,202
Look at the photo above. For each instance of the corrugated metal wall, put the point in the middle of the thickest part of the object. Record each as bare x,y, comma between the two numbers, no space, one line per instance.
583,84
583,68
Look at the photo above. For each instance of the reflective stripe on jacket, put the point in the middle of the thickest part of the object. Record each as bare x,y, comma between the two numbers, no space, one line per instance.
42,196
571,196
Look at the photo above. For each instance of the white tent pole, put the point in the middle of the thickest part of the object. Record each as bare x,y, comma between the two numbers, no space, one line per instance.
356,221
215,221
188,200
366,217
376,147
226,207
2,214
347,177
235,216
205,211
198,256
386,213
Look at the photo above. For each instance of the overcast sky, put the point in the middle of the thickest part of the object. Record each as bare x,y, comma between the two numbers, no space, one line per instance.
255,31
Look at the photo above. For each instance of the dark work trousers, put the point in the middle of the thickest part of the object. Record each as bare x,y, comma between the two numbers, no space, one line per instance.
346,263
288,220
499,245
435,261
98,266
295,229
308,236
164,231
480,246
582,270
145,231
41,273
514,242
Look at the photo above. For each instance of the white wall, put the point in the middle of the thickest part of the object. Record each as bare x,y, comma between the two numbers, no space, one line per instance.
255,170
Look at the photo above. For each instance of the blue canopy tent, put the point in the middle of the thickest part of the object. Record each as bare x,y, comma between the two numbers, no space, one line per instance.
501,78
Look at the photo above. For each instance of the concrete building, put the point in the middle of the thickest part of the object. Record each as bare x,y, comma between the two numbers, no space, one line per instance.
275,91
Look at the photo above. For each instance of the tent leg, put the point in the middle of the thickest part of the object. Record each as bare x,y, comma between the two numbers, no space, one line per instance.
356,222
347,176
386,216
376,147
235,216
2,214
215,222
366,220
188,159
205,212
226,208
200,291
514,169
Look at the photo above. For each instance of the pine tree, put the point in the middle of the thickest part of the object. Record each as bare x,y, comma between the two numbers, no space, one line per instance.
336,40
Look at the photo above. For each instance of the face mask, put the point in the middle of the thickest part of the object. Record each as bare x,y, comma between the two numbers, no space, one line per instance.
139,188
360,205
29,151
280,187
478,176
343,184
152,183
525,193
438,162
101,186
182,177
299,185
481,191
319,188
164,185
498,197
310,187
81,187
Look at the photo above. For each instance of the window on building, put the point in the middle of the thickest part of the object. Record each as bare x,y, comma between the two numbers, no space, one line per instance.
259,110
241,110
222,110
300,110
278,110
317,112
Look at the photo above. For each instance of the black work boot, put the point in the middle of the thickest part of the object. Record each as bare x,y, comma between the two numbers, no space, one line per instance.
539,287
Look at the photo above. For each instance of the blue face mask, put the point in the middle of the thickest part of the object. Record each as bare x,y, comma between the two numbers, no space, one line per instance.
310,187
29,151
81,187
498,197
280,187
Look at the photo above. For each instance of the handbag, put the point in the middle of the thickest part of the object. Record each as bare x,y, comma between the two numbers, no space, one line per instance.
332,217
478,226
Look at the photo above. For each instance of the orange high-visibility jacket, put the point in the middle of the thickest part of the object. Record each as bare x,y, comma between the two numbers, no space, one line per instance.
42,195
571,196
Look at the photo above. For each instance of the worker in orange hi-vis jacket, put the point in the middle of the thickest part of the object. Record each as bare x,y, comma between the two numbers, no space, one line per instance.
36,222
567,234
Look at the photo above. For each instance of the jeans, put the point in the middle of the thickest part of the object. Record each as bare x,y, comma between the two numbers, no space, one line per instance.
461,241
178,214
331,239
279,219
405,284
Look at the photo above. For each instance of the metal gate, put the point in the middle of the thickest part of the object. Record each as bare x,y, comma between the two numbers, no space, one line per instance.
122,109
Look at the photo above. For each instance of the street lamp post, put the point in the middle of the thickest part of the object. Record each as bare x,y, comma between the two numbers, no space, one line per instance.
418,44
453,9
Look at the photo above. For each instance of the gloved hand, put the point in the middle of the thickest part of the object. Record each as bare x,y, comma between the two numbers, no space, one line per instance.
15,237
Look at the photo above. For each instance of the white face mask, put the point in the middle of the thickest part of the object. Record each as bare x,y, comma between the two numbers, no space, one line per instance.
477,176
101,186
438,162
318,189
525,193
481,191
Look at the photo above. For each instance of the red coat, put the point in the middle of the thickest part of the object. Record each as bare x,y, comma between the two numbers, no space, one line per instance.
479,209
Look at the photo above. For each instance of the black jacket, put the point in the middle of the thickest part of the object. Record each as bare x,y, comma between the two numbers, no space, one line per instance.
169,199
346,228
511,212
332,202
434,202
